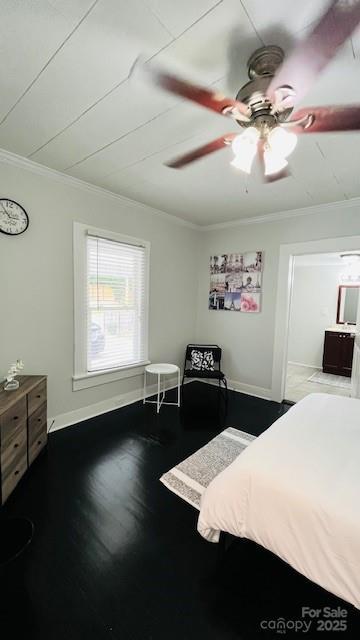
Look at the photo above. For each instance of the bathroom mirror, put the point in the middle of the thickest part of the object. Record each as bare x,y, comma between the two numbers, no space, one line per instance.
348,299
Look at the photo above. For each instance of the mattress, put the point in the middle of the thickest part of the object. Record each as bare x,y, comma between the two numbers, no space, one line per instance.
295,490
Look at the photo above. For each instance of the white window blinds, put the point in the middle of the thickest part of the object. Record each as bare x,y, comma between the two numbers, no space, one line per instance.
116,304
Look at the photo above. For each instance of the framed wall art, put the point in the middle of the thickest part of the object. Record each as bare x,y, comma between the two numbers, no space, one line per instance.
236,282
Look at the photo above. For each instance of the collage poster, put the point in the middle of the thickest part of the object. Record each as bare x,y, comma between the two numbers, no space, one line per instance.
236,282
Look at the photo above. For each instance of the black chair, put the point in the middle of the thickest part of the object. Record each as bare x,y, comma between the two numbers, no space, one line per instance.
203,361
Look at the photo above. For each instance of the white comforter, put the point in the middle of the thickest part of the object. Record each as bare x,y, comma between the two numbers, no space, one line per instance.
296,491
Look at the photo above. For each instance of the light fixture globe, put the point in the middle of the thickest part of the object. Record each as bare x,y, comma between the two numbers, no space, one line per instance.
244,147
282,142
249,137
274,163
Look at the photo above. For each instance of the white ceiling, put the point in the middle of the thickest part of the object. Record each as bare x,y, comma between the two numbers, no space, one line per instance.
67,102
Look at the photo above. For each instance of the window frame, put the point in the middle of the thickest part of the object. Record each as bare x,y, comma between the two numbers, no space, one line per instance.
83,379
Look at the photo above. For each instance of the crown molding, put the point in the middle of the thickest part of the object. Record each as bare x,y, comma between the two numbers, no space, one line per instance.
7,157
291,213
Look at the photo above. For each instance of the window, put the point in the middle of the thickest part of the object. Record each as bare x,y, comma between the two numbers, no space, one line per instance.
111,294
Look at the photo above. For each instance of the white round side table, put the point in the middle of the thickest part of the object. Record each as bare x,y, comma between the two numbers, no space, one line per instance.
162,369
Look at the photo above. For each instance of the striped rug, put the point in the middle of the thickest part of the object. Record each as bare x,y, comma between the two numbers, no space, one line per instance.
190,478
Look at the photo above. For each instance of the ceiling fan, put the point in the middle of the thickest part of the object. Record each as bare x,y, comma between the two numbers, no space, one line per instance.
264,106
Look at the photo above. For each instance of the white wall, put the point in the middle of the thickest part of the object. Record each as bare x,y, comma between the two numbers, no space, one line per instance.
313,309
36,314
247,339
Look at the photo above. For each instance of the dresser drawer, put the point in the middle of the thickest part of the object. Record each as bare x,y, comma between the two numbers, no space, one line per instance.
37,445
12,418
12,447
36,397
39,434
13,470
37,422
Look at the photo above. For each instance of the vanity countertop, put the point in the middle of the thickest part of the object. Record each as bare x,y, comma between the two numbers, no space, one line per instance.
342,328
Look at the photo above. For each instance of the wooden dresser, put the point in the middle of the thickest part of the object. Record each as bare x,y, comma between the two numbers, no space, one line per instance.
23,429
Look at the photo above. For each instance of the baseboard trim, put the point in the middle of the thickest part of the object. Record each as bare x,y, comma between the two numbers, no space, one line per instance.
70,418
115,402
242,387
302,364
250,389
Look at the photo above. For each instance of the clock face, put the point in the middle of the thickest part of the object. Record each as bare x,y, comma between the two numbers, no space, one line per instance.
13,218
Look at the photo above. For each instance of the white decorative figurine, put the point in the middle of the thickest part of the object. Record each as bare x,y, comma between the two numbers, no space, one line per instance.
11,384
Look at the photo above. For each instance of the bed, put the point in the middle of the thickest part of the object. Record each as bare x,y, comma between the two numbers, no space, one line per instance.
295,490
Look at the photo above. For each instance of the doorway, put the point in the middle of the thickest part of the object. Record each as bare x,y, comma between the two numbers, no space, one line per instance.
288,254
322,324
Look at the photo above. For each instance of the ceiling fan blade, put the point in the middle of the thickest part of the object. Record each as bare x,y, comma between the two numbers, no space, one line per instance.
308,59
205,97
200,152
329,118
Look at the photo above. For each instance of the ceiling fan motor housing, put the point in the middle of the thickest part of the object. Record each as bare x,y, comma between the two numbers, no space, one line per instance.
262,66
265,61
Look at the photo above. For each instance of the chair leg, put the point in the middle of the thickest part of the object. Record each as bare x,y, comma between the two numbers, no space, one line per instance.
219,395
144,394
182,387
226,393
158,395
178,389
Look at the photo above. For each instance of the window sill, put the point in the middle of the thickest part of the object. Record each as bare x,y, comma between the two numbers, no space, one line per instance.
96,378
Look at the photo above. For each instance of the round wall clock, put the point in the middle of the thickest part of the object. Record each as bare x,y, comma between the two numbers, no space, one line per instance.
13,218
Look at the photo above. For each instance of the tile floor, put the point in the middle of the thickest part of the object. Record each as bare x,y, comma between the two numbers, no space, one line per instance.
298,386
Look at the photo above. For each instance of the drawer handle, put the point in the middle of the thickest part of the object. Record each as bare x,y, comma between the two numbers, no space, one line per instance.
16,472
39,419
16,445
39,396
16,417
39,441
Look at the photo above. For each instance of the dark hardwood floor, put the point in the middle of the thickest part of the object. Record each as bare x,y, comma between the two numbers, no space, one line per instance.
115,555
